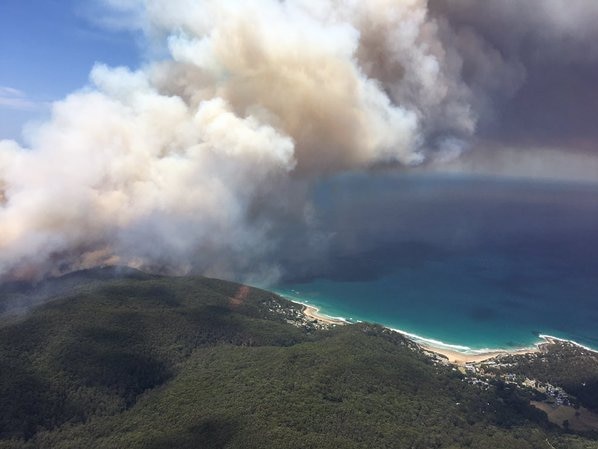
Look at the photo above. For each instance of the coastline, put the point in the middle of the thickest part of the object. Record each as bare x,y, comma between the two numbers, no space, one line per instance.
455,354
462,358
314,313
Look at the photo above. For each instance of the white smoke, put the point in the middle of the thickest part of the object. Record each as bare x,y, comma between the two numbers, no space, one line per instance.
172,165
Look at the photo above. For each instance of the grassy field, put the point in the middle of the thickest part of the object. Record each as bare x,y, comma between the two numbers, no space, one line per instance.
580,419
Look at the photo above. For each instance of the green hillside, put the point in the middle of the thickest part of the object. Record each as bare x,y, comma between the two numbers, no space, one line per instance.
120,359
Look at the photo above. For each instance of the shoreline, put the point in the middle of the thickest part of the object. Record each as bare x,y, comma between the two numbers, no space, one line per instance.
482,355
456,354
314,313
462,358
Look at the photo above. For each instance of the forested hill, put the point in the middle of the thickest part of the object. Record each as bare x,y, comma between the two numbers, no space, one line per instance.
119,359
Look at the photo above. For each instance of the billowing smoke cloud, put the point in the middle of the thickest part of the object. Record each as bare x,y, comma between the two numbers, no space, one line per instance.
203,159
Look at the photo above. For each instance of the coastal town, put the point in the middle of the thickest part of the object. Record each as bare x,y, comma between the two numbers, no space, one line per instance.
303,315
561,408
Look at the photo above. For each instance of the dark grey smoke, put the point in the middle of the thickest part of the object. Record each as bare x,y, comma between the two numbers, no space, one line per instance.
552,45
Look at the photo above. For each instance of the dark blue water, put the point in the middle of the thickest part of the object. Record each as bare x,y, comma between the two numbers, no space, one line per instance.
476,263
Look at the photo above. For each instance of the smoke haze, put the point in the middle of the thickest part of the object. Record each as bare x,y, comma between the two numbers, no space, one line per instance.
204,159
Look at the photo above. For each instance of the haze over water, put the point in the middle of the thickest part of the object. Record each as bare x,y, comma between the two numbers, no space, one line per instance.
472,262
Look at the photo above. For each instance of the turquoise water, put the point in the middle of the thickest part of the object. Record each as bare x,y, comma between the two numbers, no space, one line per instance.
442,301
528,266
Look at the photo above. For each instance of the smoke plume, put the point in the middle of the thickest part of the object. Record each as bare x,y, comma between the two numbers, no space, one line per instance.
203,159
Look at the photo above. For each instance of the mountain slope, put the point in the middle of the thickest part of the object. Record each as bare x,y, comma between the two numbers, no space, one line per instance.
138,361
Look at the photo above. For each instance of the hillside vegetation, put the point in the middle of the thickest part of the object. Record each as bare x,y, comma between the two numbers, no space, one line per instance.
128,360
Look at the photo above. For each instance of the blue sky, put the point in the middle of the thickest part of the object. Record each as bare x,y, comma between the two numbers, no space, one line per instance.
47,49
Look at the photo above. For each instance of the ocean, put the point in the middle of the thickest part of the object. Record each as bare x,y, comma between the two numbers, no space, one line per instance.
473,263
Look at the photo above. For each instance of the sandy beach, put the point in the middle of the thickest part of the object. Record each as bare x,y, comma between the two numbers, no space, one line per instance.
462,358
314,314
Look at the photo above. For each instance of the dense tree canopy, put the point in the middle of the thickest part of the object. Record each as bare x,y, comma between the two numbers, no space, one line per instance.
155,363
